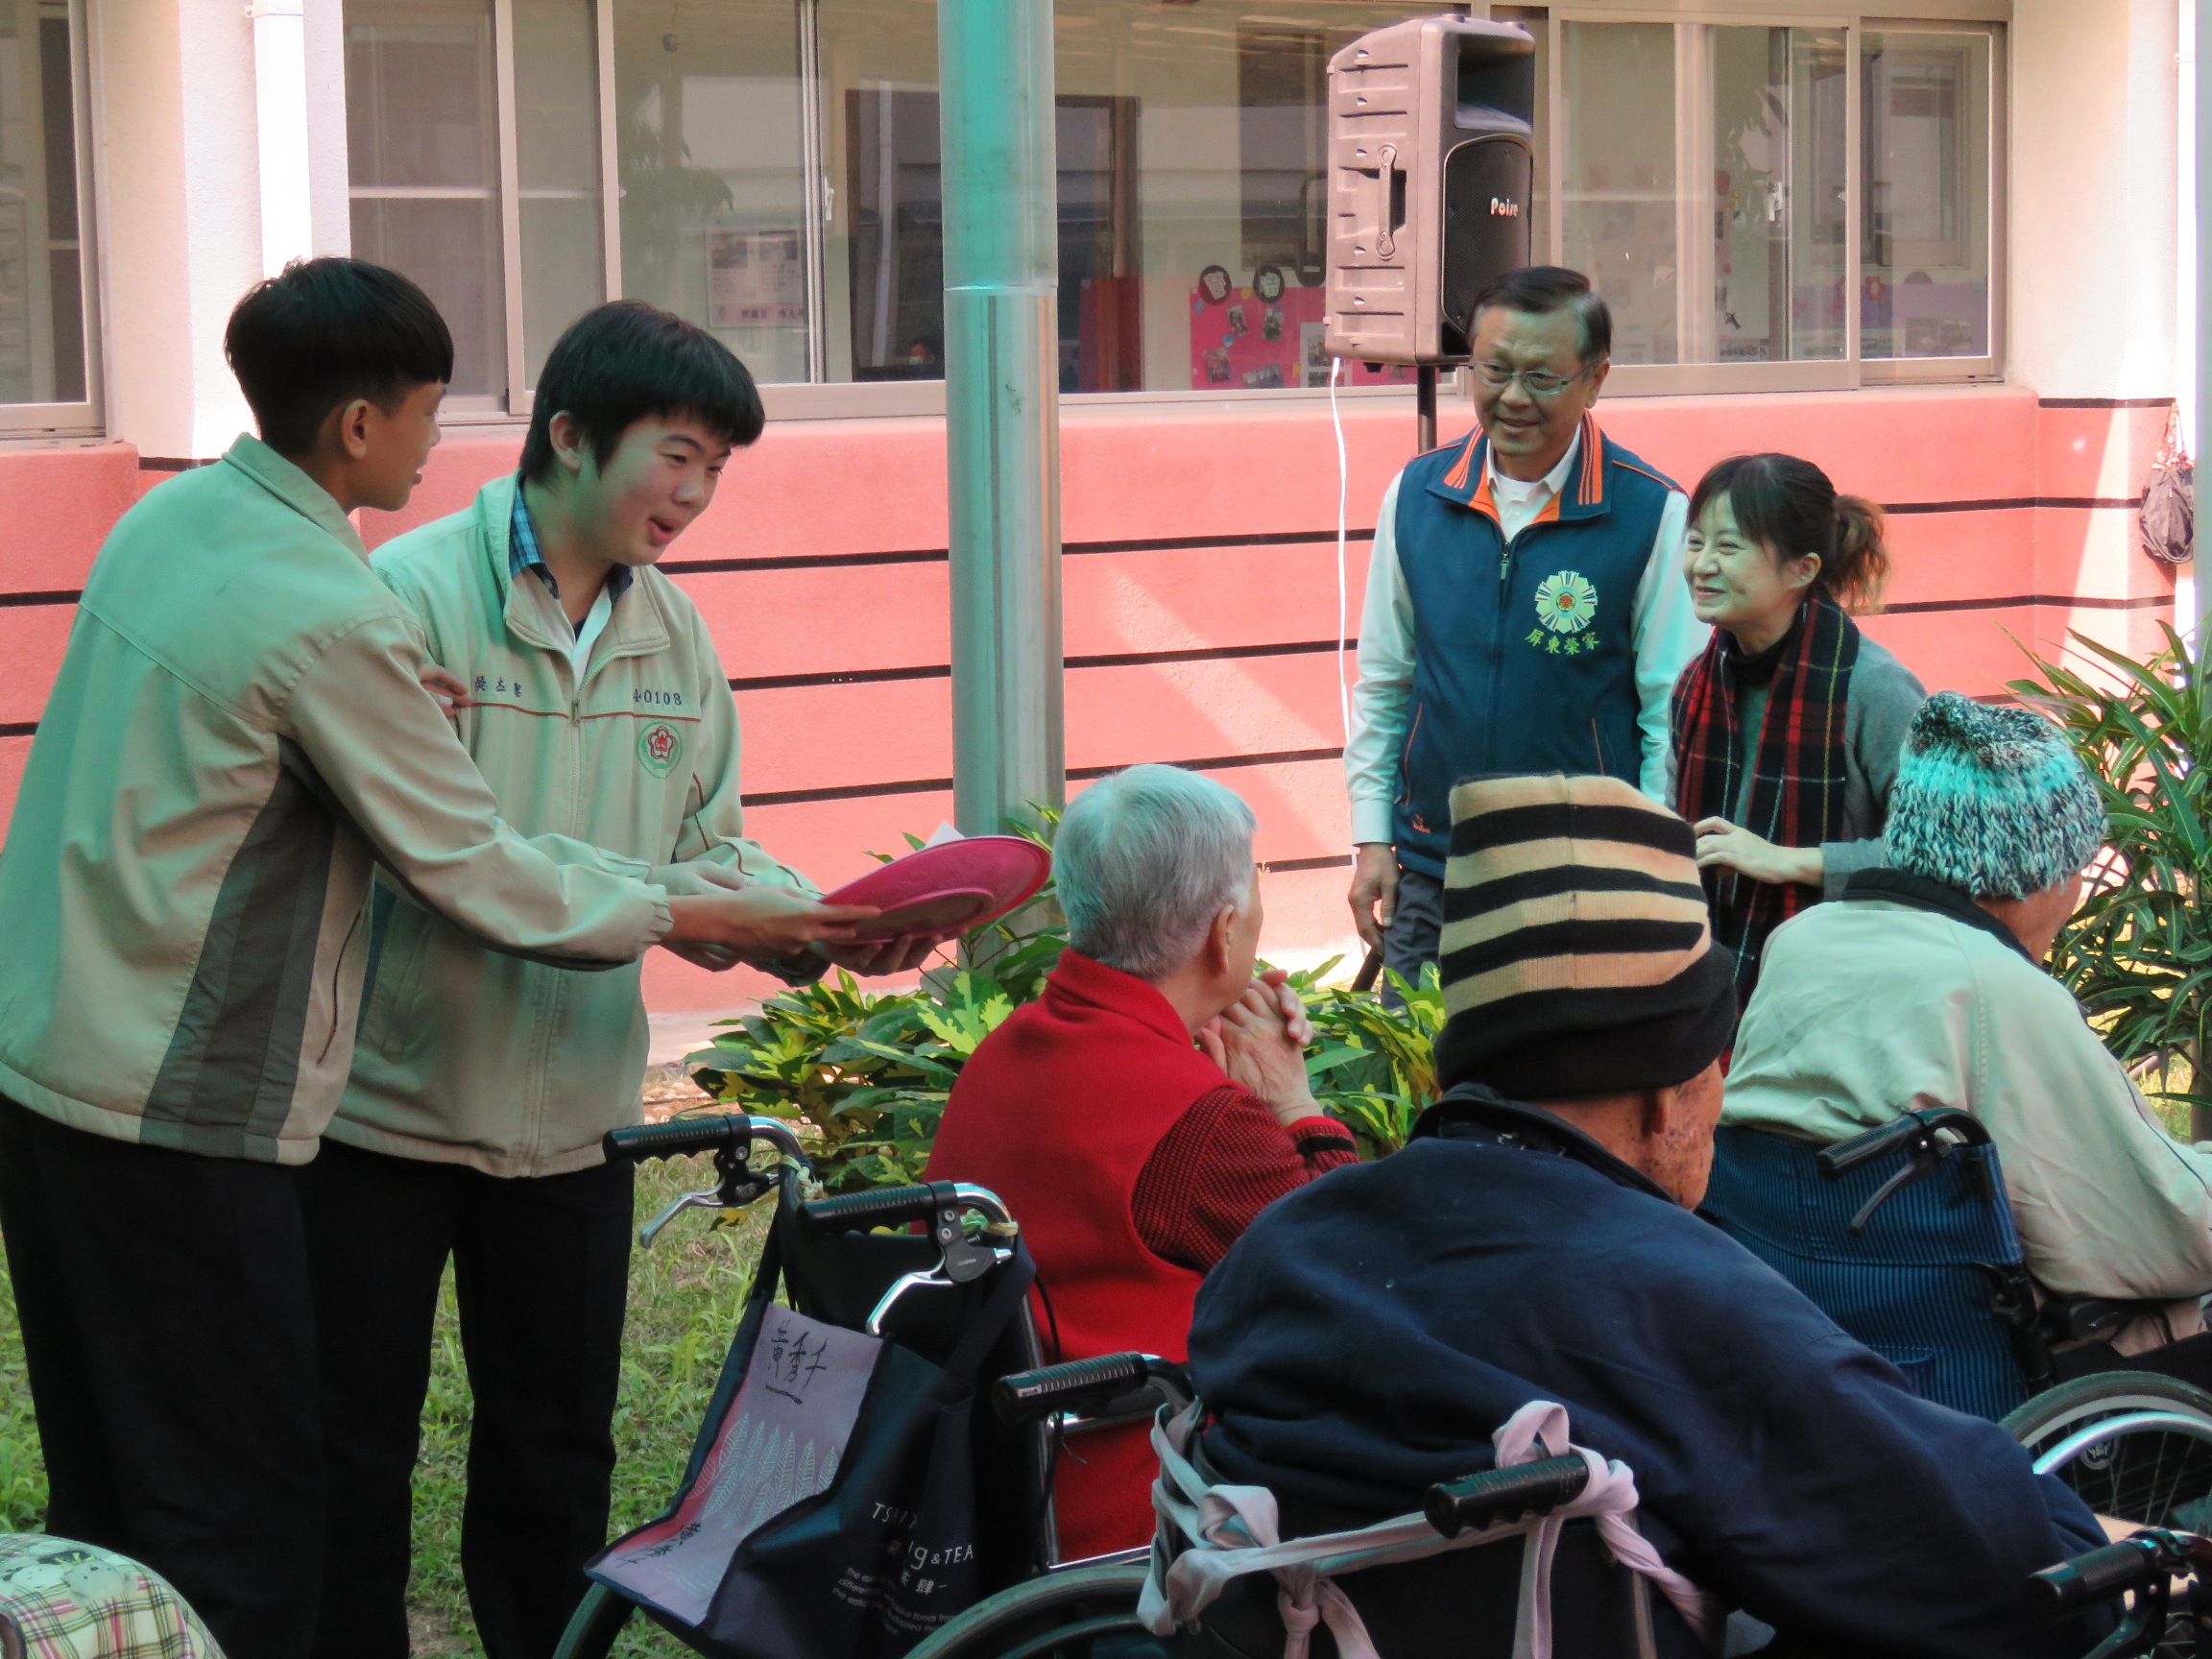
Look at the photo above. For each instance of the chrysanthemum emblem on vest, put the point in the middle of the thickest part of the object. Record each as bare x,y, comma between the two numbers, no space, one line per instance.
1566,605
658,748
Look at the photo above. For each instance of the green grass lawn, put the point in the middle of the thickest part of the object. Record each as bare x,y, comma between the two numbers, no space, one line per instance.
685,1297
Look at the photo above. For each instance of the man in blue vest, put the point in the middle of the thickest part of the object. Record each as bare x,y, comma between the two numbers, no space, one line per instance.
1564,663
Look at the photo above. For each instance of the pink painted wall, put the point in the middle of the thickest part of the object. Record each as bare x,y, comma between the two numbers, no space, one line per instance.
1201,591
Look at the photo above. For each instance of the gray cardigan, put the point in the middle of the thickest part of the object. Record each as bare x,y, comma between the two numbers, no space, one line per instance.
1883,699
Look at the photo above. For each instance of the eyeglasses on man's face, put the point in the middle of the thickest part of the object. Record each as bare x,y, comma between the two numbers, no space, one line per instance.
1538,383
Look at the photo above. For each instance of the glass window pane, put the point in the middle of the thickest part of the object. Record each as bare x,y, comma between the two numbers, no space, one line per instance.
1925,277
1191,154
1777,108
41,283
557,163
1616,85
713,212
421,136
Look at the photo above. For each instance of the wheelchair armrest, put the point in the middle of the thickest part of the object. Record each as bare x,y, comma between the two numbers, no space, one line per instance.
2066,1319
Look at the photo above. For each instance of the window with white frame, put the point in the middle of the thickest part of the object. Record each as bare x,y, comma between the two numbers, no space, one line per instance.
47,374
1797,201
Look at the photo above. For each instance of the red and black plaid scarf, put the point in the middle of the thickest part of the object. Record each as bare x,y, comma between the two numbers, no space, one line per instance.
1797,780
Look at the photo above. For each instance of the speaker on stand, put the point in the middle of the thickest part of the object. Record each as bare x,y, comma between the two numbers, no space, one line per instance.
1432,170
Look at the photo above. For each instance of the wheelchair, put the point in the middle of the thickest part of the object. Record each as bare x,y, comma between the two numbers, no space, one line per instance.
1904,1237
917,1288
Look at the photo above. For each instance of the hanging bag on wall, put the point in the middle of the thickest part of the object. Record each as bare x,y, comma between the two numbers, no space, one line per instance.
830,1509
2170,501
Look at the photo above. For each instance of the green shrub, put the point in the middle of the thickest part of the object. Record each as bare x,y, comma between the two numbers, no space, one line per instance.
865,1077
2138,952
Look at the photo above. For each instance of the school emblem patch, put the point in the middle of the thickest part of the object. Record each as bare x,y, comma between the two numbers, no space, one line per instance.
1566,606
659,746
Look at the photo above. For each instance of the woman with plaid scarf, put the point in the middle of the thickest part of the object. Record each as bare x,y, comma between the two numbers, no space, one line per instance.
1787,730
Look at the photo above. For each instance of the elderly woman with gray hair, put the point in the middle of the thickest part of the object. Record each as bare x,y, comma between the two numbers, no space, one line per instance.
1146,1107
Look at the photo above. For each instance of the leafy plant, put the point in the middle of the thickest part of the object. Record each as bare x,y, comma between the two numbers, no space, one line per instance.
865,1075
2138,952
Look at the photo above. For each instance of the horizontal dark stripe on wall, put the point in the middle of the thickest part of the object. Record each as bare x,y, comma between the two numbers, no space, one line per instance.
2103,403
1338,861
1075,774
2013,504
1118,660
941,556
46,597
2022,601
19,728
171,463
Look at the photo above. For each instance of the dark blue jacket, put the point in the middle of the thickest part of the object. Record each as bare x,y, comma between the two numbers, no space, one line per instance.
1368,1332
1523,654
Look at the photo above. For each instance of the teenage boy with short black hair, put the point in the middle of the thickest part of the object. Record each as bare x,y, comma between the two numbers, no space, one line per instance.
588,691
237,732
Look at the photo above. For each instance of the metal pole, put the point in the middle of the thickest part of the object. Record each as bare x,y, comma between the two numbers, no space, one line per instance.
1003,406
1424,406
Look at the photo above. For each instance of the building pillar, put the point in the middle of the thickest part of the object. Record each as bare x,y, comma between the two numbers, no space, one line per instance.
182,179
1003,406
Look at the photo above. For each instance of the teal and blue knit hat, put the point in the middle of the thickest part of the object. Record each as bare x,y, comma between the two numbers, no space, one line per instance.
1991,800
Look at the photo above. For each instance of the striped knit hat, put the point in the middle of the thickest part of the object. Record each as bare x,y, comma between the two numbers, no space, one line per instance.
1990,800
1577,957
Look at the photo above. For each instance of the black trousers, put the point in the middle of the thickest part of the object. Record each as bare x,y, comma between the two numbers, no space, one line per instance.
1416,925
170,1338
541,1269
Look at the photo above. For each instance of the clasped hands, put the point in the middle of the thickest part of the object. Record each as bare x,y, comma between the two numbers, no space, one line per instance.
1259,1041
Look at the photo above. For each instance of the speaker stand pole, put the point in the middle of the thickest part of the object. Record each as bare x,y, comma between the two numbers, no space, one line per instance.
1424,406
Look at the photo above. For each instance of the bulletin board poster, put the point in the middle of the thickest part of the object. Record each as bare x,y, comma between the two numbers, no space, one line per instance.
1265,336
755,279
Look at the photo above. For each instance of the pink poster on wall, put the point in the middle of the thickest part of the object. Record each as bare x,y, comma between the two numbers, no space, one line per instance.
1265,336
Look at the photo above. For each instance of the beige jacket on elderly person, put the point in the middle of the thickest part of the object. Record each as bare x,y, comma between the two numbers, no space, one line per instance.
1871,1007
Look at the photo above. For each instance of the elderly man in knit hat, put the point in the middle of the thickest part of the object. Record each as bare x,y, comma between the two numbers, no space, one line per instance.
1536,1242
1926,988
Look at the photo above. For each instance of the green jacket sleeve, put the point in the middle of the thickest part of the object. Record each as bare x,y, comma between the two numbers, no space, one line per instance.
384,750
713,830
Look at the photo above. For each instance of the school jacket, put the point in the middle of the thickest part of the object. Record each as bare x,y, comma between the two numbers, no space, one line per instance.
237,732
517,1068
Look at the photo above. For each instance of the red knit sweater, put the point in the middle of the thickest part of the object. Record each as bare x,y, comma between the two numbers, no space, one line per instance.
1130,1164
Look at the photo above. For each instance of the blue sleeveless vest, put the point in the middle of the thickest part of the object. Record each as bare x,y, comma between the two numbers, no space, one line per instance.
1523,656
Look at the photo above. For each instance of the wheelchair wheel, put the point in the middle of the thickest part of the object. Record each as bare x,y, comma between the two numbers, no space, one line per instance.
598,1619
2135,1445
1087,1613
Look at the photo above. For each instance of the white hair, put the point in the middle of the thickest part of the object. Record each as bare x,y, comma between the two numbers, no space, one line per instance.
1145,860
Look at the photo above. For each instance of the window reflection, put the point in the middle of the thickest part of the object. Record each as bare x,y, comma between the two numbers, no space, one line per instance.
422,143
1925,289
41,259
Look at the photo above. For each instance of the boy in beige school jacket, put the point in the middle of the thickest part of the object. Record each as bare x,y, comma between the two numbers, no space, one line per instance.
587,691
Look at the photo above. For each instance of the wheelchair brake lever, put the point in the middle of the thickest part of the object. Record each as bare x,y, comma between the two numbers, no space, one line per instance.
710,1198
1923,1161
739,1185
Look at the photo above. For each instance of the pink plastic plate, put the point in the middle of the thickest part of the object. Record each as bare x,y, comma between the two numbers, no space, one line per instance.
948,888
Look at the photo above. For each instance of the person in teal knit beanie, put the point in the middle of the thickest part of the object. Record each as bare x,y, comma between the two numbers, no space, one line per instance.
1926,987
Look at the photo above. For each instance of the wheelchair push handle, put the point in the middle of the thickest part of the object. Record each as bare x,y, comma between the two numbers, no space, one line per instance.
1907,1131
1124,1388
1527,1489
716,1132
677,1137
2072,1585
899,1206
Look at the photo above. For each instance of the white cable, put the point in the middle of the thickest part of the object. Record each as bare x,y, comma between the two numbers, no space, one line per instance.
1343,491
